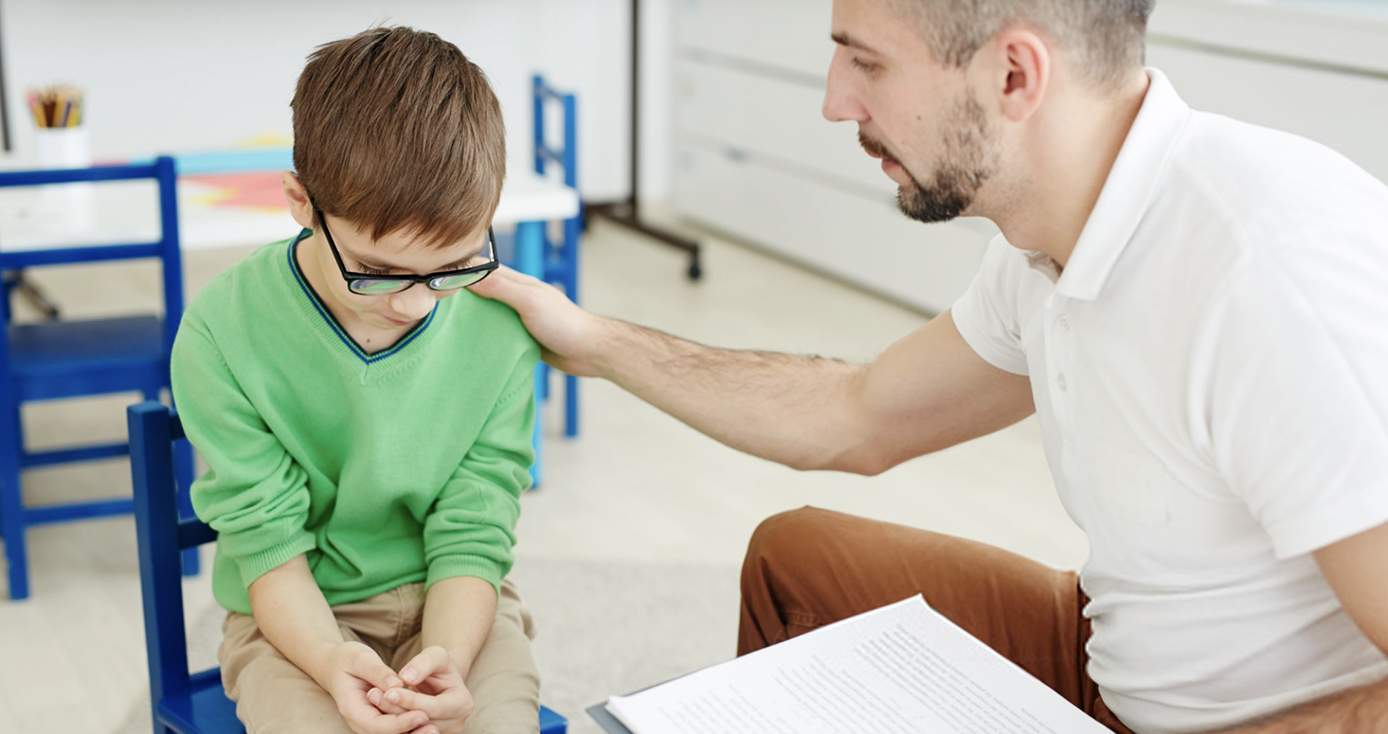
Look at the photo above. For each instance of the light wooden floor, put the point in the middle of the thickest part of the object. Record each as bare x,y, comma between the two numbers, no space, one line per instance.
636,487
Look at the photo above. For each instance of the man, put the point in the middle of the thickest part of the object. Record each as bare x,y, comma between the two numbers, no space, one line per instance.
1194,307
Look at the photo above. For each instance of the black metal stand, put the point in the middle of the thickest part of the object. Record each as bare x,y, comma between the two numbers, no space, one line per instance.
628,213
4,107
15,282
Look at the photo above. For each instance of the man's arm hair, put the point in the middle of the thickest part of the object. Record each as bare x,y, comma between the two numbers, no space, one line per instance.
928,391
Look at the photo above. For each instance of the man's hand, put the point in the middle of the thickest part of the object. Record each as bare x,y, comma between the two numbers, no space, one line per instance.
356,671
569,336
436,690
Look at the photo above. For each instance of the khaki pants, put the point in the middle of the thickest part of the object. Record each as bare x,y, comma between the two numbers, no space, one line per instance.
273,695
810,567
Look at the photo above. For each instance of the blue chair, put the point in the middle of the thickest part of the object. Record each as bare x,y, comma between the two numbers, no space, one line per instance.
182,702
64,359
560,265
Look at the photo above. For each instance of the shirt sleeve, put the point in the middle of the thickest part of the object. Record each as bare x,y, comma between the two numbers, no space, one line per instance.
986,315
253,494
1297,401
470,530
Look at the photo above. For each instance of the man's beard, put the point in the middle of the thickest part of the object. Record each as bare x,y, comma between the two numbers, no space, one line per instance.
966,162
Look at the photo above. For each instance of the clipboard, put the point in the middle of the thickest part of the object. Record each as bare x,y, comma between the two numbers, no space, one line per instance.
607,721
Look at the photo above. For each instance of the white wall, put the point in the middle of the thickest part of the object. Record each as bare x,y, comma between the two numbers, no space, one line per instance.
185,75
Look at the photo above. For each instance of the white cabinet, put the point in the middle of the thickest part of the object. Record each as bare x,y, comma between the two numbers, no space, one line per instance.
1314,69
756,160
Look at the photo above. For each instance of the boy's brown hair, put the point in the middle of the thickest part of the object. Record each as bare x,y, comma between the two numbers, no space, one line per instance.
396,129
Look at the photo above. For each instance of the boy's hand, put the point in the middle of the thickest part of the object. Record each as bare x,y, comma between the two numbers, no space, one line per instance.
436,689
356,670
569,336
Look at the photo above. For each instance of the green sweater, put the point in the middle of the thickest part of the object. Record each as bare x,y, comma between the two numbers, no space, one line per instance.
385,469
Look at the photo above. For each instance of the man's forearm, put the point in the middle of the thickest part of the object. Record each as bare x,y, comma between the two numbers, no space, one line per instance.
786,408
294,616
1362,710
458,614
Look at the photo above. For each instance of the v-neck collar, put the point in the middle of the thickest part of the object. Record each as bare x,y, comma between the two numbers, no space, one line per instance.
336,328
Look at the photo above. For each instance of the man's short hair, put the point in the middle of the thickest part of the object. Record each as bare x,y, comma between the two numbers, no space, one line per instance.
1103,38
395,129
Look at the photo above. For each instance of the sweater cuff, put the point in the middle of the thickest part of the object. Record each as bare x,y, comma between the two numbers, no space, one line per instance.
258,564
450,566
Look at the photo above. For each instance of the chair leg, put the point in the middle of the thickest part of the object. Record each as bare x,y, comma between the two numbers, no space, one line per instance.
12,508
570,406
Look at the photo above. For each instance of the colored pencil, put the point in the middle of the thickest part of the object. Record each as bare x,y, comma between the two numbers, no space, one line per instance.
56,106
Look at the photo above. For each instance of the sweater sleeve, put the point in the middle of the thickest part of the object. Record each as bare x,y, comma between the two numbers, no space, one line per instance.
470,530
254,494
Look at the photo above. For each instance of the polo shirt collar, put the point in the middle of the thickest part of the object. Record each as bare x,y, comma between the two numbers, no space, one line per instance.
1128,191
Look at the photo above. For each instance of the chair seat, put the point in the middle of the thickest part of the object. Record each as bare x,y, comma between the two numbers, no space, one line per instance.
205,711
67,358
209,711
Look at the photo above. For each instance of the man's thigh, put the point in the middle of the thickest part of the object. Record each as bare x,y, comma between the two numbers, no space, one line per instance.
810,567
503,680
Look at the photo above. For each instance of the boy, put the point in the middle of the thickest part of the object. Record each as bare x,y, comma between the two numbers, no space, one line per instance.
366,423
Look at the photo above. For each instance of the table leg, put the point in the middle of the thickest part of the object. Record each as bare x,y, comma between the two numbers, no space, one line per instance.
530,259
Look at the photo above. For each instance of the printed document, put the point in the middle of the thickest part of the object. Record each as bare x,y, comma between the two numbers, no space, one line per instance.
901,669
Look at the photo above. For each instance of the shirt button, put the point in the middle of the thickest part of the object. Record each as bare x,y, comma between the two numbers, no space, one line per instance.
1062,323
1060,382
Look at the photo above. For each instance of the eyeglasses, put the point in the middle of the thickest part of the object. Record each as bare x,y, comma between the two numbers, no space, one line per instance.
366,284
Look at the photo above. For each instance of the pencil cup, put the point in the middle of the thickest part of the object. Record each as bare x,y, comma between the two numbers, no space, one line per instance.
67,147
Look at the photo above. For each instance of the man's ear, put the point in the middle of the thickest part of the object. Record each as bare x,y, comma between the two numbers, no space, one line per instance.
1019,72
297,197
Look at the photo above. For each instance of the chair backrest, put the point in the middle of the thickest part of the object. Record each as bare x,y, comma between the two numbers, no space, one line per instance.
567,156
161,534
166,247
561,265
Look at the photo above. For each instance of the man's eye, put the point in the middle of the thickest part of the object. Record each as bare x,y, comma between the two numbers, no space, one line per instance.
864,65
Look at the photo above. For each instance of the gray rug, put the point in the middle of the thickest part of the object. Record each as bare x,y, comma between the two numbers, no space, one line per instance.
602,629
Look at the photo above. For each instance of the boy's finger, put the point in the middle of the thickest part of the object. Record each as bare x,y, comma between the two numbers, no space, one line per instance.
416,701
377,697
367,718
430,661
368,667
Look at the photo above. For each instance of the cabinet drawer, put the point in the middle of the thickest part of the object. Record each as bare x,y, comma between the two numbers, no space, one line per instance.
761,116
862,240
787,34
1344,111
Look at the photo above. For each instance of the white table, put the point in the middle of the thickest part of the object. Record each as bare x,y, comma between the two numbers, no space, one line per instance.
56,217
40,218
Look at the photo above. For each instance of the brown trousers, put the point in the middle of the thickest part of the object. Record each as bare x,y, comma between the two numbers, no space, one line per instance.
810,567
273,695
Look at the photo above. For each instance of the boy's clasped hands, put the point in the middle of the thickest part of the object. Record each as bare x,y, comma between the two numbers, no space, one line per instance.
427,697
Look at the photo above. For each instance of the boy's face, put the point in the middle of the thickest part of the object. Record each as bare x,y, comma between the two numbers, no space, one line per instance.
394,254
400,252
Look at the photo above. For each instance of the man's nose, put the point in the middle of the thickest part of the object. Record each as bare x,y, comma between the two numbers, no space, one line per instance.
840,105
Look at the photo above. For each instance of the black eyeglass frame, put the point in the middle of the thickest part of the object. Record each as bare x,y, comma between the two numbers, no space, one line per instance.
428,280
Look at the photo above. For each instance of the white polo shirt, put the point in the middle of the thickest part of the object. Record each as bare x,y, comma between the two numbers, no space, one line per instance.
1211,376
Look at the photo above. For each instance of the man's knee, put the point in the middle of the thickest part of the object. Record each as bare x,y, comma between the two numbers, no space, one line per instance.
787,536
